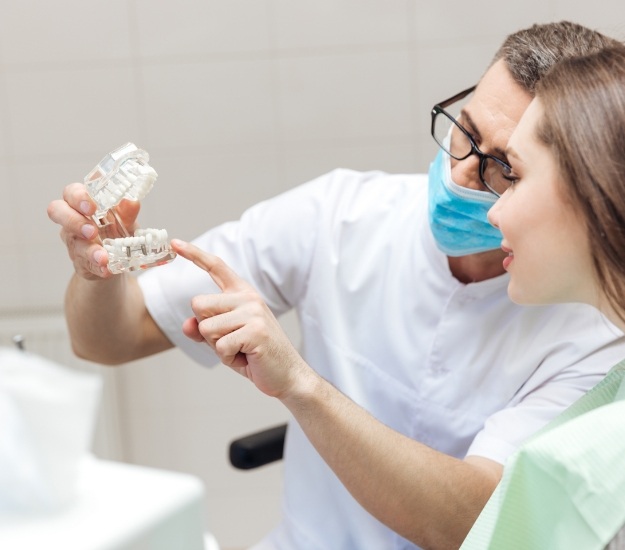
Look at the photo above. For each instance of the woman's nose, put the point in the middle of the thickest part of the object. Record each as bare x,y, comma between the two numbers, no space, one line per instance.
493,213
466,173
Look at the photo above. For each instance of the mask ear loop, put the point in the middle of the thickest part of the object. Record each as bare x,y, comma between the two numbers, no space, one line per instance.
447,140
126,174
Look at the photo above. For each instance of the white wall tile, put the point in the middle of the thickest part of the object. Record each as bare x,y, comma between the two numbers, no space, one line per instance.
339,22
196,192
44,277
606,16
256,526
457,22
4,118
192,27
426,151
448,69
184,441
200,105
12,289
12,258
69,112
302,164
35,185
345,96
8,215
36,31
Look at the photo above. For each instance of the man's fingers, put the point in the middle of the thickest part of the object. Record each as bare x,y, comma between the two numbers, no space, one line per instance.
229,348
128,211
61,213
190,330
225,278
76,195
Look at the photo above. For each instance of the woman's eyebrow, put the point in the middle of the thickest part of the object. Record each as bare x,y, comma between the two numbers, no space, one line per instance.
497,151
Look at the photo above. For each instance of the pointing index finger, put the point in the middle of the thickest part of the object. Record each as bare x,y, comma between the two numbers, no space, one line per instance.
225,278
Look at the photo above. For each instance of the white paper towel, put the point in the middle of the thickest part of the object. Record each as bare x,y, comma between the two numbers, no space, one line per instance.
47,416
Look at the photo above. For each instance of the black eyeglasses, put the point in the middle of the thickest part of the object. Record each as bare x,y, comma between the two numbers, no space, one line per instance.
457,142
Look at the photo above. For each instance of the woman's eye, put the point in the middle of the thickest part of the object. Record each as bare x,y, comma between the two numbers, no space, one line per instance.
508,174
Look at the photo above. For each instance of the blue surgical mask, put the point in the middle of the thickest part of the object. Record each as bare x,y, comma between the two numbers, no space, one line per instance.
457,214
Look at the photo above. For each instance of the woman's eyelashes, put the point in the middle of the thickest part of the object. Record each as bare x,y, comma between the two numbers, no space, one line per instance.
511,177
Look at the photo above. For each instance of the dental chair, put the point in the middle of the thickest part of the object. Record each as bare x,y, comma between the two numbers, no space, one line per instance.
258,449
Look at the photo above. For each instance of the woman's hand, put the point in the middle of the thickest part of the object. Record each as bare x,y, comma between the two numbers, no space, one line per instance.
241,328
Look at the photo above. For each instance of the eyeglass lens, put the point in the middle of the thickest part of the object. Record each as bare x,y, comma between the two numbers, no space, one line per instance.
448,134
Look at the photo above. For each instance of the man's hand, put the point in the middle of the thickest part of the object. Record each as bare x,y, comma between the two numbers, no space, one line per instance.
241,328
79,232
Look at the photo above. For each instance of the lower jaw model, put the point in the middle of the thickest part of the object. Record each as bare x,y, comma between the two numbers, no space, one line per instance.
147,248
126,174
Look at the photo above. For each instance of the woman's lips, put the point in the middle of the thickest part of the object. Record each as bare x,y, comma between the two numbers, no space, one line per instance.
508,259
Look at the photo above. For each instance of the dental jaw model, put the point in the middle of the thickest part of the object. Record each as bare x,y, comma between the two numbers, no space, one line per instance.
126,174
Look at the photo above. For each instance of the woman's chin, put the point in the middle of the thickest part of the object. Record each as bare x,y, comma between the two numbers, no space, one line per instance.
520,297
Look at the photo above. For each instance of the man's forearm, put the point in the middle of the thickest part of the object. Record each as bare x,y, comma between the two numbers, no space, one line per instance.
108,322
427,497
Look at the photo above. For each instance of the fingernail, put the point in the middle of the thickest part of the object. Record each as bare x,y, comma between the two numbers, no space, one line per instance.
88,231
85,207
98,256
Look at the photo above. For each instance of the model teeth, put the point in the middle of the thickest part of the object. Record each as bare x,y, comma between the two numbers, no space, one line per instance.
145,241
141,179
147,248
126,174
133,180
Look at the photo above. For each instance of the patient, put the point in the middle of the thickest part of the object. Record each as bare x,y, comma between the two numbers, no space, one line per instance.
563,225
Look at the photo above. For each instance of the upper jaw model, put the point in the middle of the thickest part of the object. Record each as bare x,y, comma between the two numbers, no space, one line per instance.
126,174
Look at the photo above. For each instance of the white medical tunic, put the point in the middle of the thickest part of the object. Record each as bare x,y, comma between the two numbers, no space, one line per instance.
455,366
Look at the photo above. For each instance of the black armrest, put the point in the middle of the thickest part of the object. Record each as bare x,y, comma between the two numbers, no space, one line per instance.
258,449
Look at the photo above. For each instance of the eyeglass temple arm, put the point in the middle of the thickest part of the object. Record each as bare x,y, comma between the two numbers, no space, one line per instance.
457,97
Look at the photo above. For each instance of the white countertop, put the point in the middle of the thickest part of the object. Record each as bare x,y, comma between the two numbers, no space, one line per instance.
119,507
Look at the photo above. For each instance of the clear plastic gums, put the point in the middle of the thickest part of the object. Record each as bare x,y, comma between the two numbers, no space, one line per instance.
126,174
